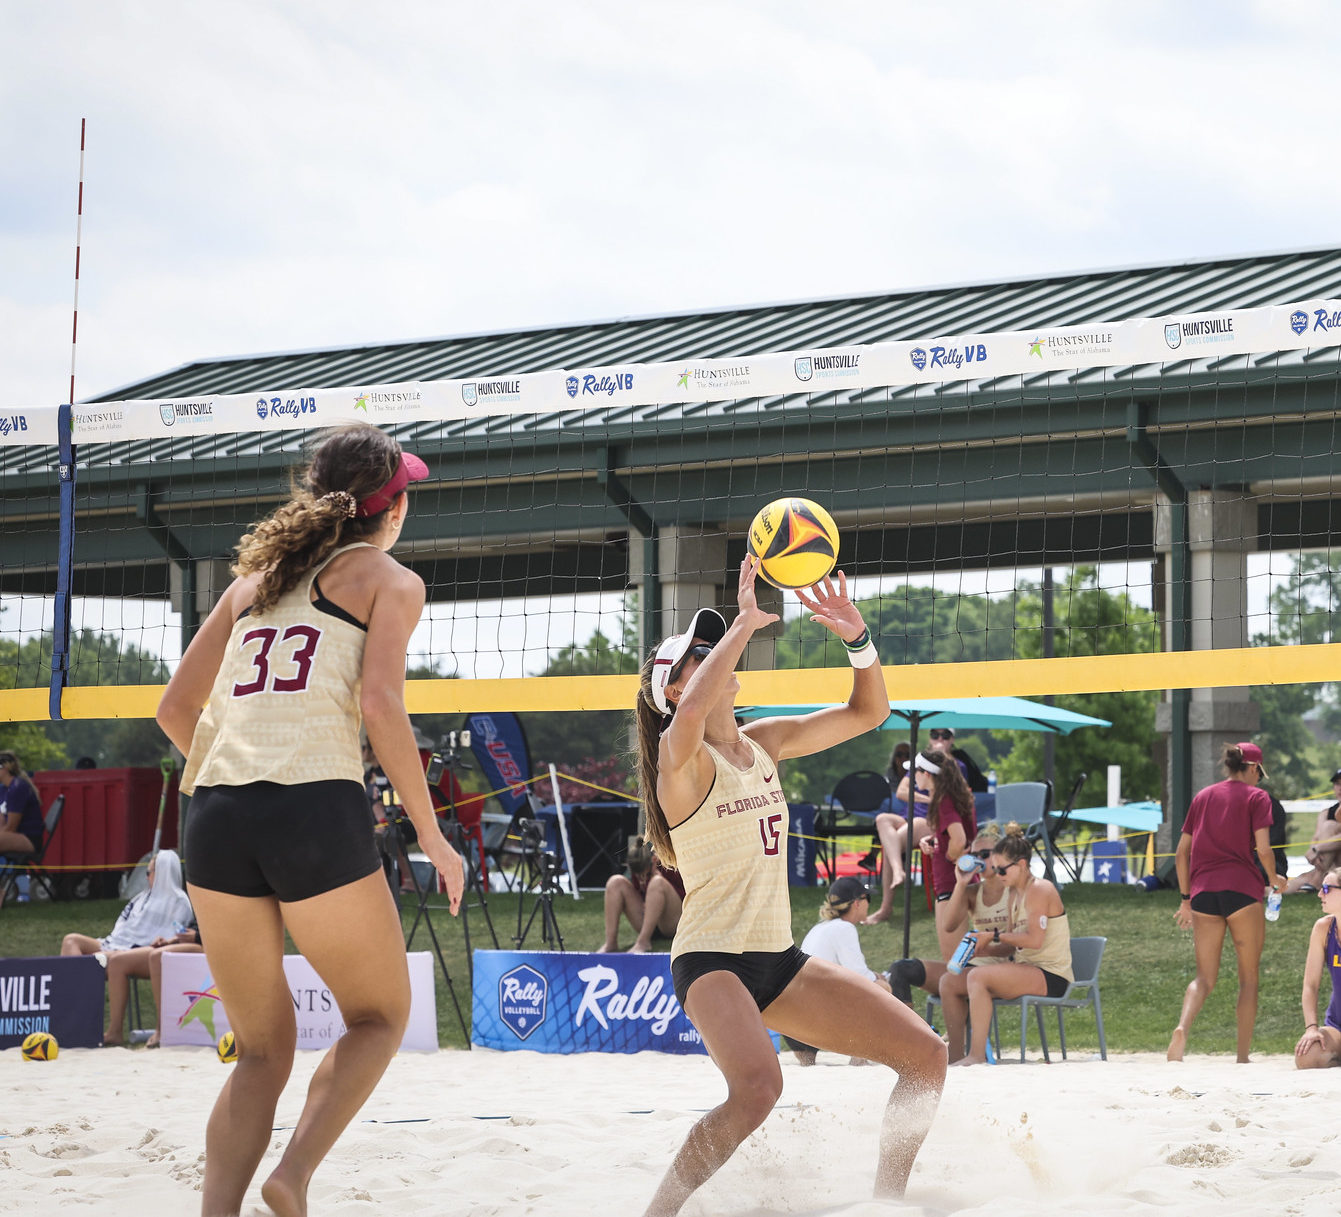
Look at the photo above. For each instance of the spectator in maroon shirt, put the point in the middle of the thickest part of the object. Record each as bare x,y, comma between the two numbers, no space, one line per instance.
650,896
1227,824
951,825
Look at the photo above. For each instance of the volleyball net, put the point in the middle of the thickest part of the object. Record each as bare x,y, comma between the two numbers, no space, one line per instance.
1141,505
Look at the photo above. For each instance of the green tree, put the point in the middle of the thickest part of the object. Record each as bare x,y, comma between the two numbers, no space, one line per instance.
1305,608
1090,620
591,744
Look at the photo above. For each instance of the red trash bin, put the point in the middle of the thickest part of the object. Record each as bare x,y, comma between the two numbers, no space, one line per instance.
107,826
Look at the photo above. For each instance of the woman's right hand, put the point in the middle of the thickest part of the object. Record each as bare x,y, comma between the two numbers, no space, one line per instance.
1310,1037
449,864
746,600
1183,917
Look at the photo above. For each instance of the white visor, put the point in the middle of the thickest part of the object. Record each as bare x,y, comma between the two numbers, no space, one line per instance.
923,764
707,624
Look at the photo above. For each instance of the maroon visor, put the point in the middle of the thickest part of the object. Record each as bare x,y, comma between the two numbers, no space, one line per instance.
410,469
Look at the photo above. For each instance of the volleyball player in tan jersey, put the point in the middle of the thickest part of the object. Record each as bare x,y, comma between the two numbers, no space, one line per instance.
715,811
308,641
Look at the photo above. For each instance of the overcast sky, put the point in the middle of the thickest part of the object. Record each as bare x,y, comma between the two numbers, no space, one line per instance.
283,174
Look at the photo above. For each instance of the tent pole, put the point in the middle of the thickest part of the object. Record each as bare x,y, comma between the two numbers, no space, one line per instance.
913,723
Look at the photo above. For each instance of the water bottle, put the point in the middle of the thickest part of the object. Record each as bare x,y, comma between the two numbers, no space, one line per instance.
991,781
969,864
1273,906
963,953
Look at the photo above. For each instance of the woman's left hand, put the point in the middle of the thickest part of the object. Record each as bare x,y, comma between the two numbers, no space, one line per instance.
830,606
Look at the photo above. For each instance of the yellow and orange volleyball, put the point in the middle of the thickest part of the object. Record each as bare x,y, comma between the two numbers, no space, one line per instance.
796,542
40,1046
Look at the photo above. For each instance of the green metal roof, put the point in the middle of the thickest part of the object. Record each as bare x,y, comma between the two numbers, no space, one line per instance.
1009,304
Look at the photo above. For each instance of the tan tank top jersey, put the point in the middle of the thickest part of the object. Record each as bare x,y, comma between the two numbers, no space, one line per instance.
732,855
285,705
988,917
1055,954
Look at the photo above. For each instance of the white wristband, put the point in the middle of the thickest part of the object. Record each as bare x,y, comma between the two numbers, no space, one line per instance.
867,657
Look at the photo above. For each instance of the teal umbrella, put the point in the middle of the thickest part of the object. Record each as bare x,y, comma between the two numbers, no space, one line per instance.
984,713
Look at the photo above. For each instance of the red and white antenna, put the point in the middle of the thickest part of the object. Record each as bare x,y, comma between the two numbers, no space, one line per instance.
79,227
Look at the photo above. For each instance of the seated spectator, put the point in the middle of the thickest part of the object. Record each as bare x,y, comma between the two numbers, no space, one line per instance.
21,827
650,896
951,825
891,827
981,895
1320,1047
142,963
1040,935
835,939
160,911
1324,850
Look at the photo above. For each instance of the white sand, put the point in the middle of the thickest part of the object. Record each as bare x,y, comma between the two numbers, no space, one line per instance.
118,1131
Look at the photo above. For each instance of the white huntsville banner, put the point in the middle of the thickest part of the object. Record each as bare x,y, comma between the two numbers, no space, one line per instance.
193,1014
960,357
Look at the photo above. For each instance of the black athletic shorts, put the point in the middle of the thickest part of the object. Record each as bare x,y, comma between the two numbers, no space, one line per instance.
1057,985
293,842
763,973
1221,904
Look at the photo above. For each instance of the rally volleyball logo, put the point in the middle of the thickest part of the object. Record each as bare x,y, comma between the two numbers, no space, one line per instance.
523,997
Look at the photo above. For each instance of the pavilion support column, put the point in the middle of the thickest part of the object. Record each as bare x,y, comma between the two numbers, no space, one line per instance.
1221,532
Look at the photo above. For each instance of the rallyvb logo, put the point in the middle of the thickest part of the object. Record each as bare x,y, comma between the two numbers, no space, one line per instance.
523,999
13,424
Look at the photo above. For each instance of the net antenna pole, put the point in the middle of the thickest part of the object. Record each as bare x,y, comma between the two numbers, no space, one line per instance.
563,830
61,606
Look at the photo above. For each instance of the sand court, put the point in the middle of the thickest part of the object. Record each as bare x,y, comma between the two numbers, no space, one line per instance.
117,1131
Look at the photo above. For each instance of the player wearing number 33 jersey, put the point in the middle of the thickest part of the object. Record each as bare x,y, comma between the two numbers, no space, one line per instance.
732,855
284,707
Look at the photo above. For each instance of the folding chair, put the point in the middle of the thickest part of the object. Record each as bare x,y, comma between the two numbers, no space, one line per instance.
31,864
1086,956
1027,803
857,795
1049,827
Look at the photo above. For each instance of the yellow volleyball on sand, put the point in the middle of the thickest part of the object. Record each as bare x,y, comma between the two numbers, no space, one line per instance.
796,541
227,1048
40,1046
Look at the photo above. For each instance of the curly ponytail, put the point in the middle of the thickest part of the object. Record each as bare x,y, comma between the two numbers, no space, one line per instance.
650,722
350,464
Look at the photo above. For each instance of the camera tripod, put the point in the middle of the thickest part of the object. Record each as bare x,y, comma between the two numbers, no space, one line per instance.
392,842
542,868
446,759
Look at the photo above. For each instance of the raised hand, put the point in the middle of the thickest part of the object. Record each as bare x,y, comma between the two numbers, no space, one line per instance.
830,606
747,601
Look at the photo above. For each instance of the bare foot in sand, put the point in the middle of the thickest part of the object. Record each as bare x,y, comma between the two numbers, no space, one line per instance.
1177,1045
283,1197
968,1060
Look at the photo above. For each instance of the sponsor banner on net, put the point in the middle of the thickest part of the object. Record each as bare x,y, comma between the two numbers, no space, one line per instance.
618,385
28,426
395,403
834,368
711,380
1313,323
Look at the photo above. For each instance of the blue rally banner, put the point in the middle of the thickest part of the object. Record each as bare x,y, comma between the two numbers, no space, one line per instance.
62,995
499,744
558,1001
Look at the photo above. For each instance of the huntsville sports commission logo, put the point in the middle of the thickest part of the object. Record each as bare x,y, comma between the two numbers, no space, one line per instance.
609,384
713,379
279,407
523,998
947,357
13,424
826,367
1066,343
1199,333
1323,319
170,411
381,401
491,392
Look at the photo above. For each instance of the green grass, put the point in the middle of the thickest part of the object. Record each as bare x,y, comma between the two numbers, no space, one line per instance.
1147,963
